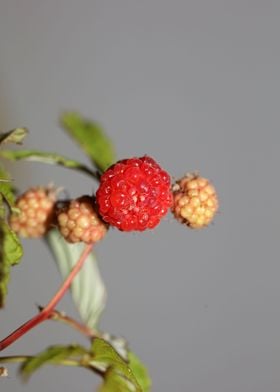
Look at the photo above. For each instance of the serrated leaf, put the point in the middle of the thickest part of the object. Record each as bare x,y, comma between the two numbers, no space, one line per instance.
46,157
10,254
15,136
54,355
109,361
91,138
88,290
140,372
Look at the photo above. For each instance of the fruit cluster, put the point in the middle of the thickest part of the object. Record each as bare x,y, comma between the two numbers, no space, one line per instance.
134,194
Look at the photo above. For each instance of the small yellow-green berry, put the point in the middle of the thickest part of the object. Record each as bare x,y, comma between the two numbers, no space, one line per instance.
35,212
195,201
78,221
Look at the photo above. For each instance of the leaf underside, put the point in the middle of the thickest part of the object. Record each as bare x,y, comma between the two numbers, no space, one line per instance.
88,290
15,136
54,355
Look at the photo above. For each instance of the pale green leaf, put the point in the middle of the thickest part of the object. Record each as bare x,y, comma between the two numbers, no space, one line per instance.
91,138
88,290
15,136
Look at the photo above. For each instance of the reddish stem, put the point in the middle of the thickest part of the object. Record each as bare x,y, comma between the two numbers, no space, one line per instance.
58,316
45,313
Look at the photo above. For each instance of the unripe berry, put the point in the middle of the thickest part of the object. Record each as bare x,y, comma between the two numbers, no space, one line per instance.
134,194
78,221
36,212
195,201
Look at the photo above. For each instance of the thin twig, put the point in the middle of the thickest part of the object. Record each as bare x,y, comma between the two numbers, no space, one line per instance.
62,317
23,358
44,314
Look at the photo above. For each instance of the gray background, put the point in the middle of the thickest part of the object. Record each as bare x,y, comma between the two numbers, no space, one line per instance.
196,85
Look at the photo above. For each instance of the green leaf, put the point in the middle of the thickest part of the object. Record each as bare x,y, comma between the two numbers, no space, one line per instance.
91,138
11,246
101,358
6,191
15,136
10,254
88,290
119,344
107,360
46,157
140,372
54,355
113,382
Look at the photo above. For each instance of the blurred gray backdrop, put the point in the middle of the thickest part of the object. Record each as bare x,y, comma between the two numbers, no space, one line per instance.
195,84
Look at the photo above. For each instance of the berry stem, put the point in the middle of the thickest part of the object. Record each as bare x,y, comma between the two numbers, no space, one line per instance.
47,310
83,329
67,283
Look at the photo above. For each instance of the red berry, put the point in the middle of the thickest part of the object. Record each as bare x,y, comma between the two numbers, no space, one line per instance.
134,194
78,221
195,201
36,211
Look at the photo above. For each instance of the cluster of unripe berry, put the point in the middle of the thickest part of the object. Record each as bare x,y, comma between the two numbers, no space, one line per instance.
134,194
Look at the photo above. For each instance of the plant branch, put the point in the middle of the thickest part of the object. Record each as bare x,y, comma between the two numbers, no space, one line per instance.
49,158
62,317
23,358
47,310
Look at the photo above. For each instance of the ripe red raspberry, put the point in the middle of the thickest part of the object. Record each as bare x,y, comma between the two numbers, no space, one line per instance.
78,221
36,211
134,194
195,201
